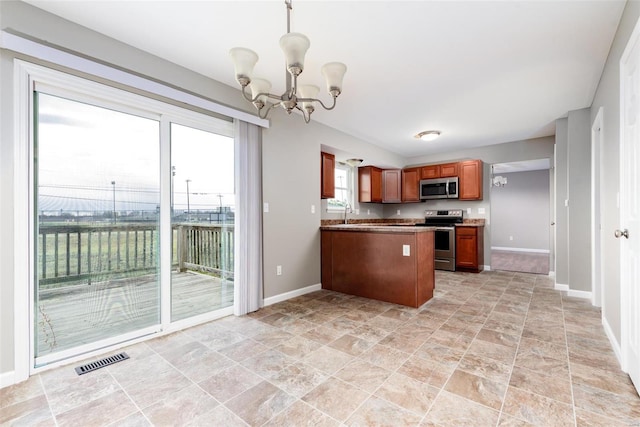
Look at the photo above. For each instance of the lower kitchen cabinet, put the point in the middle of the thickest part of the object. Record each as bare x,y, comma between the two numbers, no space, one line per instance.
470,249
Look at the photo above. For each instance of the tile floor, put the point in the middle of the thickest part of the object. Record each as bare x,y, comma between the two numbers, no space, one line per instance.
491,349
523,262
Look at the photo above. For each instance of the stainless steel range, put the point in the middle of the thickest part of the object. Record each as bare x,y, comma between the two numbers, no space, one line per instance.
445,236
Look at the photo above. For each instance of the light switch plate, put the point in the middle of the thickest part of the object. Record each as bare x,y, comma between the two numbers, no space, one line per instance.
265,207
481,211
406,250
313,209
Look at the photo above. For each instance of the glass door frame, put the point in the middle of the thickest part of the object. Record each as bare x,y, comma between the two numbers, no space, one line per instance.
27,77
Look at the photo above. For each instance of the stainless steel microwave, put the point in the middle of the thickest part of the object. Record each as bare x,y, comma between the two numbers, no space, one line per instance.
439,188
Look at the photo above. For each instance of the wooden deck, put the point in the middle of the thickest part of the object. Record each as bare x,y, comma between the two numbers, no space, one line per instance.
77,315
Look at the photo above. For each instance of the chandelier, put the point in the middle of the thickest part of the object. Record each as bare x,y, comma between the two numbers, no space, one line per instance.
499,180
300,97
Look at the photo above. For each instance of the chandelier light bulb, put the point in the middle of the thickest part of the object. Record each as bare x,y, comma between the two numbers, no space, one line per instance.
294,46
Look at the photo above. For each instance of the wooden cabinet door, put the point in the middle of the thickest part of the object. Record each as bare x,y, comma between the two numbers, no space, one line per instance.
470,180
392,186
428,172
327,175
448,170
466,248
470,249
411,185
369,184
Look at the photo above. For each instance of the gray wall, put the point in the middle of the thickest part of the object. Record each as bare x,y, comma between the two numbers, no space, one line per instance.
579,210
562,195
520,210
608,98
573,185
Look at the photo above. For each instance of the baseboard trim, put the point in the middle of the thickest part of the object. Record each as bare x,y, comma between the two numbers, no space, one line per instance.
580,294
612,340
291,294
503,248
572,292
7,379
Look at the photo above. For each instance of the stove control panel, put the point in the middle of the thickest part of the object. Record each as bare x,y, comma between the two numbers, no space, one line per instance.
455,213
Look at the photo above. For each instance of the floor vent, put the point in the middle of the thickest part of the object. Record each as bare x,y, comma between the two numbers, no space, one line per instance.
84,369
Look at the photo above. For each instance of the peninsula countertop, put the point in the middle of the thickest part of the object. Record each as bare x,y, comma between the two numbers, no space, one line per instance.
378,228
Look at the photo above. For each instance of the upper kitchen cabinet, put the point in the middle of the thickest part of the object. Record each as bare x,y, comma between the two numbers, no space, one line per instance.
392,186
431,171
448,170
470,174
445,170
411,184
327,175
369,184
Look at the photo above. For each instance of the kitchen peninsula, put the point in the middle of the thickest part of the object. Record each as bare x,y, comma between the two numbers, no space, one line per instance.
386,262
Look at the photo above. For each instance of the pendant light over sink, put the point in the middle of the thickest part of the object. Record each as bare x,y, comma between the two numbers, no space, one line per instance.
299,97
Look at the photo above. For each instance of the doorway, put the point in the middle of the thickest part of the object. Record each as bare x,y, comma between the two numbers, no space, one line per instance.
520,194
124,246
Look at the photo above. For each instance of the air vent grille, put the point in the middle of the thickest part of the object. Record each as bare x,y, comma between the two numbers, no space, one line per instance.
110,360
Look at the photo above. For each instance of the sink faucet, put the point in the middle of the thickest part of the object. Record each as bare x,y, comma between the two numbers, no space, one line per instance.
347,209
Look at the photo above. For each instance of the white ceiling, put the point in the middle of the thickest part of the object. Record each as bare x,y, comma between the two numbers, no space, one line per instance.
482,72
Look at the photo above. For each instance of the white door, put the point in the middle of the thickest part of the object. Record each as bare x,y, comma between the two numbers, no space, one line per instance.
629,231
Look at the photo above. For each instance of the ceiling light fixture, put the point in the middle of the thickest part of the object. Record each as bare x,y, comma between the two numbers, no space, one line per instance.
428,135
354,162
295,46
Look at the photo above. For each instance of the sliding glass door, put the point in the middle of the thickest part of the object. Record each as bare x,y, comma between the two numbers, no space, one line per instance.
97,205
202,221
133,210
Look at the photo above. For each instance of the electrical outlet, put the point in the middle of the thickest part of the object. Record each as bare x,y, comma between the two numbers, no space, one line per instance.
313,209
357,211
406,250
398,212
278,270
481,211
510,237
368,211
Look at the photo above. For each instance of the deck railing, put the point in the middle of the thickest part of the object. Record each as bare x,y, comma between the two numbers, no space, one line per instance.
76,252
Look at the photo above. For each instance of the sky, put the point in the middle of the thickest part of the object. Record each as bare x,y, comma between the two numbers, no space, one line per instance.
84,152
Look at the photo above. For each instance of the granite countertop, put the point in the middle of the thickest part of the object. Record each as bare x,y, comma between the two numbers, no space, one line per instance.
472,222
378,228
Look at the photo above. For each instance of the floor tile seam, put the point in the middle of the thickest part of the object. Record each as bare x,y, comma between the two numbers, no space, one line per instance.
513,362
126,393
46,396
332,376
456,368
566,341
373,395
